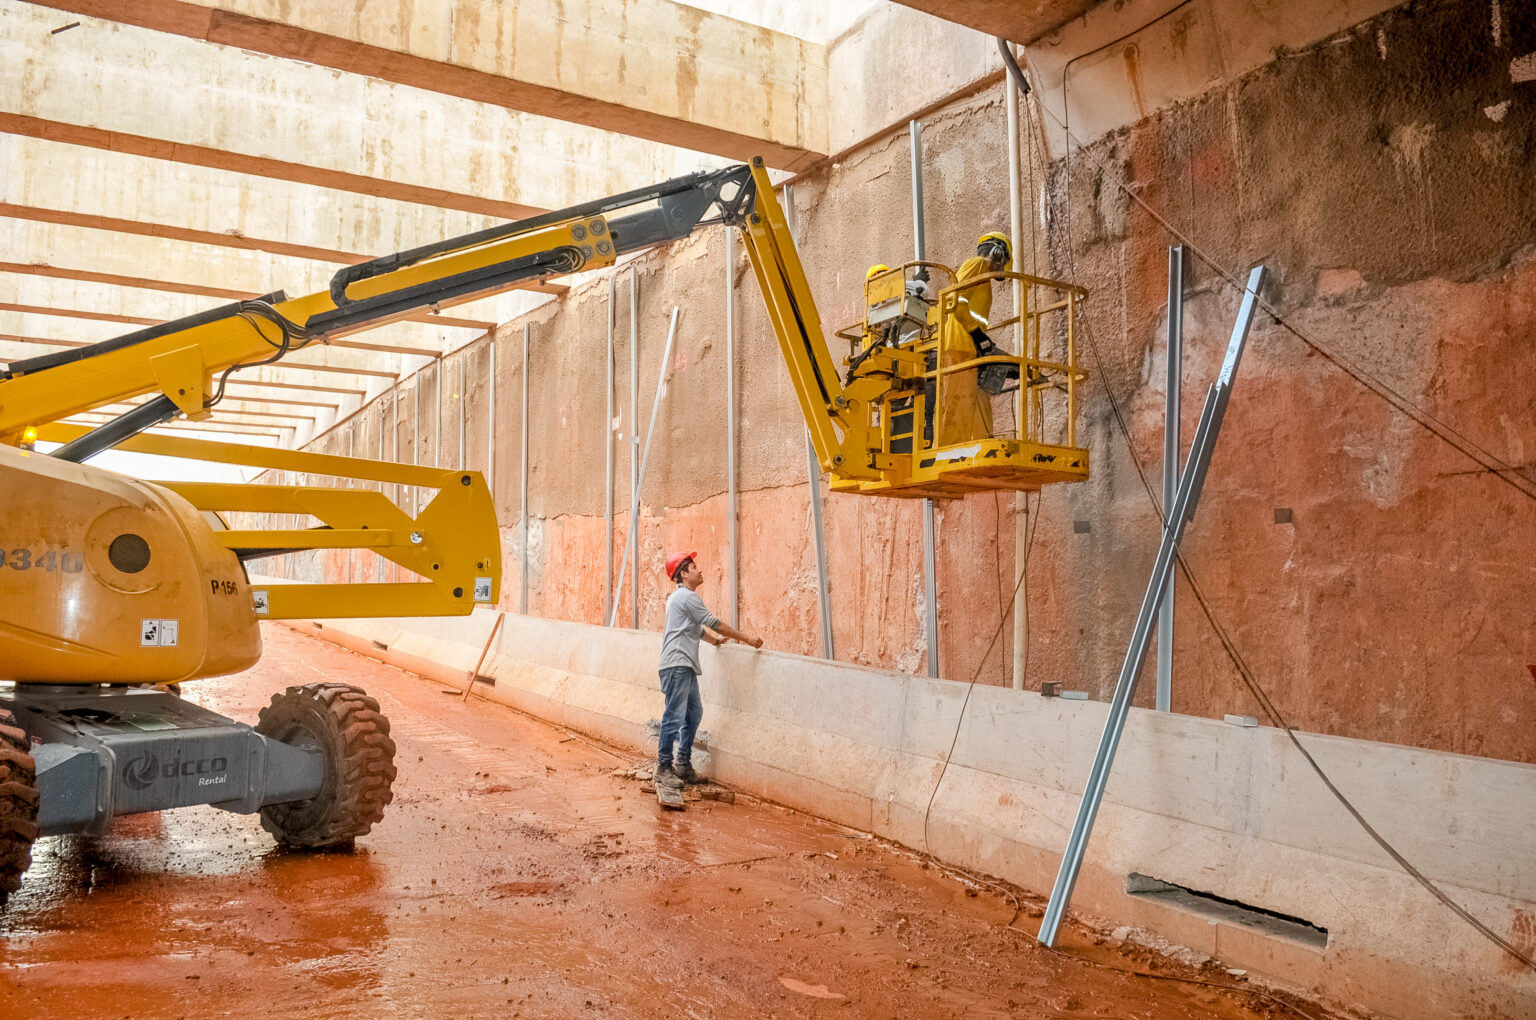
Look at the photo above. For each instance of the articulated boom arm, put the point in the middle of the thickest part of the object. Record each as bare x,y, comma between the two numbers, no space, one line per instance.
182,359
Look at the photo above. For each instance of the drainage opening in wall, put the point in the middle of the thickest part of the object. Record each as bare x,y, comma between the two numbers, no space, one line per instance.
1219,908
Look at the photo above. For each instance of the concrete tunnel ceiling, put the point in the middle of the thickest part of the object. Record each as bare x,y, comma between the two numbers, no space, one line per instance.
167,156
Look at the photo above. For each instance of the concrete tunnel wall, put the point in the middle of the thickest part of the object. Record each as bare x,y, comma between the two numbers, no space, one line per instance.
1381,170
1225,810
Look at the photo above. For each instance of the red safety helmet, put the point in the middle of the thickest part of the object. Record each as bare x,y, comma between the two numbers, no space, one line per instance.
676,560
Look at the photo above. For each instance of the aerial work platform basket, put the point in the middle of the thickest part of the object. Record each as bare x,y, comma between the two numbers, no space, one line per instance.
957,414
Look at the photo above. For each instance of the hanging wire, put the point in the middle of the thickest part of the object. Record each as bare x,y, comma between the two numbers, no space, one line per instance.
252,312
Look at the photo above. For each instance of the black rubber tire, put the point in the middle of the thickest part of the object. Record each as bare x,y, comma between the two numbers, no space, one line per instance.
18,805
345,724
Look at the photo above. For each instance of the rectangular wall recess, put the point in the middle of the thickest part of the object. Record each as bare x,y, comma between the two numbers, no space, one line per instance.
1218,908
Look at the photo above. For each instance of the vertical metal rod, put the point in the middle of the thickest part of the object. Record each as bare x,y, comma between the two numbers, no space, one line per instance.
490,424
813,472
460,399
437,407
608,452
611,489
415,437
351,554
732,524
522,603
919,237
632,540
1183,508
1171,463
378,566
930,565
634,445
1021,500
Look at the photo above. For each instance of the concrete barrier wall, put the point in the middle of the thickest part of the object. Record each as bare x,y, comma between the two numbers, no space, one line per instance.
1230,811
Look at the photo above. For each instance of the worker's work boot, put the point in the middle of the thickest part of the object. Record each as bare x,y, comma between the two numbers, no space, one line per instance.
684,772
666,776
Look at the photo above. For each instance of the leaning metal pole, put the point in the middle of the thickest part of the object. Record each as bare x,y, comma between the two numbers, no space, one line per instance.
930,567
1135,656
632,540
1171,463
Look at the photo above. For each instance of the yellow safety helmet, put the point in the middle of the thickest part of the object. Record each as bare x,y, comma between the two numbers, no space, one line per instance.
995,237
876,269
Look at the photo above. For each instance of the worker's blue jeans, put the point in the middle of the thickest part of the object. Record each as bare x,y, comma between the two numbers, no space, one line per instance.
680,718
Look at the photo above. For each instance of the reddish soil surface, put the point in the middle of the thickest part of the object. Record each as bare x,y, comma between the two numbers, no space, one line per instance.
517,875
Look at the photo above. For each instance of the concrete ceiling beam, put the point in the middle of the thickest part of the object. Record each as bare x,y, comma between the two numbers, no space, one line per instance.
230,404
129,89
221,415
97,187
423,344
317,358
72,248
112,298
1022,21
176,287
212,428
653,69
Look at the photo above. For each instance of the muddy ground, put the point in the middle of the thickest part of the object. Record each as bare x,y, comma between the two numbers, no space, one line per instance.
517,875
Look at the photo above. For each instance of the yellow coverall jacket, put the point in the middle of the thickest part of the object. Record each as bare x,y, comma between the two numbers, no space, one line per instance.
964,412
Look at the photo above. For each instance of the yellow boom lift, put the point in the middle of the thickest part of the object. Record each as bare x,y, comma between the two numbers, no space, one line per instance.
112,589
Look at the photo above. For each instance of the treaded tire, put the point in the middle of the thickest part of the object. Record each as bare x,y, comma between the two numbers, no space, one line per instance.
18,805
345,724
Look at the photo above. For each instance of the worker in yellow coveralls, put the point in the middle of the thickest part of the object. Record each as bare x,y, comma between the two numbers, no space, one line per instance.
965,411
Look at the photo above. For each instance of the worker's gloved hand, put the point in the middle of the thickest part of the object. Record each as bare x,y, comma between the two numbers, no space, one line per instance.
995,377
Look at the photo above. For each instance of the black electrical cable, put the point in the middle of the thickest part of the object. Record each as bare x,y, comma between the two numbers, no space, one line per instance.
289,330
1012,64
1245,673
